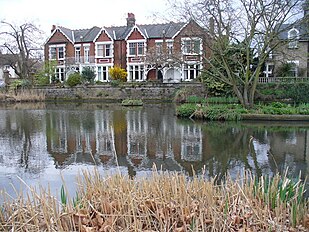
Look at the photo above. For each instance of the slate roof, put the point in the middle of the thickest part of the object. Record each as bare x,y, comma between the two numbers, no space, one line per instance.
120,33
301,26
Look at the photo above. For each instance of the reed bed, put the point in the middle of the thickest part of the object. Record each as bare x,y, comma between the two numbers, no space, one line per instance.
23,95
163,202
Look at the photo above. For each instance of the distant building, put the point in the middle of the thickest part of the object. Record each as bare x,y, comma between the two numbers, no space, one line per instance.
5,66
294,51
170,52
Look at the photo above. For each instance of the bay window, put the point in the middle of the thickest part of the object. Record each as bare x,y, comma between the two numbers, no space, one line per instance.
136,72
102,73
191,71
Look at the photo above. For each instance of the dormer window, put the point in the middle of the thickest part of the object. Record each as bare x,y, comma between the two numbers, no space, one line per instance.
293,36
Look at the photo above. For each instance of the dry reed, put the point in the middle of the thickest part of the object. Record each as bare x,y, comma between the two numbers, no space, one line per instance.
160,202
23,95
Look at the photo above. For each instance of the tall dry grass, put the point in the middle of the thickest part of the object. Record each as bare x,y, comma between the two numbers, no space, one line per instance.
23,95
161,202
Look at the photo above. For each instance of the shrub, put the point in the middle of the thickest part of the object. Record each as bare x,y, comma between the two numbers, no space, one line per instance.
185,110
115,83
88,74
118,73
41,80
74,79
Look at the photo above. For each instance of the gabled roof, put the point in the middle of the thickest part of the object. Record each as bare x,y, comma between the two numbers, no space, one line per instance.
106,32
300,26
157,30
122,32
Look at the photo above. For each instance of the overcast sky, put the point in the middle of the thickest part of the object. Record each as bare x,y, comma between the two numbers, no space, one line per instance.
79,14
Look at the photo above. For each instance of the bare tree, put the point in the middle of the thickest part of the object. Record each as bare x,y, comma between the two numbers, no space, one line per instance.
244,33
160,56
22,42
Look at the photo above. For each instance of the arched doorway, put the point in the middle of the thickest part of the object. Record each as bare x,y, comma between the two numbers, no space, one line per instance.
153,75
172,75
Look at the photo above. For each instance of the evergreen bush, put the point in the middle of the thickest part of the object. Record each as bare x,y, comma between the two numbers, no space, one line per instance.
74,79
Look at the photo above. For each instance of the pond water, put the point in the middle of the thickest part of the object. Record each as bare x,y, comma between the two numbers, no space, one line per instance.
46,144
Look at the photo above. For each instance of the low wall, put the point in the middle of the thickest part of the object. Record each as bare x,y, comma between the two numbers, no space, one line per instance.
144,91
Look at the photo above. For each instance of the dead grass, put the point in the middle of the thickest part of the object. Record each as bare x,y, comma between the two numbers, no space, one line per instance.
23,95
162,202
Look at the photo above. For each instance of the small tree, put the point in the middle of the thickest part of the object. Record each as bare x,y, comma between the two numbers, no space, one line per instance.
46,74
118,73
88,74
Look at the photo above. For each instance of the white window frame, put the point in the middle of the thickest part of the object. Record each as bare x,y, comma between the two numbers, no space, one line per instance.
293,38
103,49
56,48
191,40
187,68
86,53
60,73
77,53
136,72
135,45
101,71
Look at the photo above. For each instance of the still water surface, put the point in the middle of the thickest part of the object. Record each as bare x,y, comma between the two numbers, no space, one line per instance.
46,144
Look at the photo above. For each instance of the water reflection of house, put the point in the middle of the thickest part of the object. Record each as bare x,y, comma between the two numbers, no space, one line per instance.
67,143
191,142
137,128
104,132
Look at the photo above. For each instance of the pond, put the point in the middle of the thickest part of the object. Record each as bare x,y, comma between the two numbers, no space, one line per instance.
49,144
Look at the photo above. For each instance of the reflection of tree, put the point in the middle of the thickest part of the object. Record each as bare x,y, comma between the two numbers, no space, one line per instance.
229,148
25,126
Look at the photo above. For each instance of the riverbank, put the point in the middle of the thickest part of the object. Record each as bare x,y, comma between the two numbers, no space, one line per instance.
163,202
274,111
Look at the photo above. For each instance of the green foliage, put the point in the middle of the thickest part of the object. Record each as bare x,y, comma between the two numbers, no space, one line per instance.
41,80
118,73
220,100
88,74
74,79
115,83
214,86
63,196
281,190
185,110
213,100
234,111
284,70
211,112
298,92
17,84
46,74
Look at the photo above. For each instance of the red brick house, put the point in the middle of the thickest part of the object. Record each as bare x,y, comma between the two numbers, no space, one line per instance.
170,52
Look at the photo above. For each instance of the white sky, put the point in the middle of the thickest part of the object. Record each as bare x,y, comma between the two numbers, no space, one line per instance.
79,13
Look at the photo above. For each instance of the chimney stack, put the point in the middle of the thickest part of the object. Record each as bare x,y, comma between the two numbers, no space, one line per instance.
131,20
53,28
